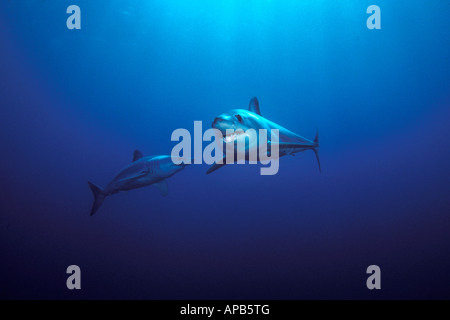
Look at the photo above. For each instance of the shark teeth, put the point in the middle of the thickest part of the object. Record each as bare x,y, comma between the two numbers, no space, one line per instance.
232,136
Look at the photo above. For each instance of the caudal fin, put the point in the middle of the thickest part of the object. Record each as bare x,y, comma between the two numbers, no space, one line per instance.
99,196
316,149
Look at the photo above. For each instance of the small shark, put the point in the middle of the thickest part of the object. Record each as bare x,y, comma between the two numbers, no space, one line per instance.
240,119
141,172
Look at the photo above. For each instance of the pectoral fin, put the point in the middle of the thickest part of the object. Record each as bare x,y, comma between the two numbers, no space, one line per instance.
216,166
162,187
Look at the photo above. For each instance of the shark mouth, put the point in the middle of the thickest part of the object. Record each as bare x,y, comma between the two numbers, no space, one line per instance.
233,136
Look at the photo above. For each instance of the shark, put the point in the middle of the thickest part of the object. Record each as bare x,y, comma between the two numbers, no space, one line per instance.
234,123
141,172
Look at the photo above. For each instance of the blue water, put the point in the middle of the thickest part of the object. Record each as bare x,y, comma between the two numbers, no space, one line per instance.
76,103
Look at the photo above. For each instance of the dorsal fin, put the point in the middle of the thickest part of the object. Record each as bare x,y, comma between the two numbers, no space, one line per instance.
254,105
137,155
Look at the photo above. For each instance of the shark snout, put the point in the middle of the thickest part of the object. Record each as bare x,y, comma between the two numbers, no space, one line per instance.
216,120
222,123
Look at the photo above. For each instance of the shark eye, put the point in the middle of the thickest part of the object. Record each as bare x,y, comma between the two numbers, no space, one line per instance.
239,118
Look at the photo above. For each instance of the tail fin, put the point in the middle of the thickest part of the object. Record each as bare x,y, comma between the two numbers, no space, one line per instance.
99,196
316,149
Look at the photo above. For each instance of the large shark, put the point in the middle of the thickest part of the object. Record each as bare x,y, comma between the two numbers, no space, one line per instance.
241,120
141,172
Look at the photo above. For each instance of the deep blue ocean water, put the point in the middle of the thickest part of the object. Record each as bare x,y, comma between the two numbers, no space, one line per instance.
74,104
